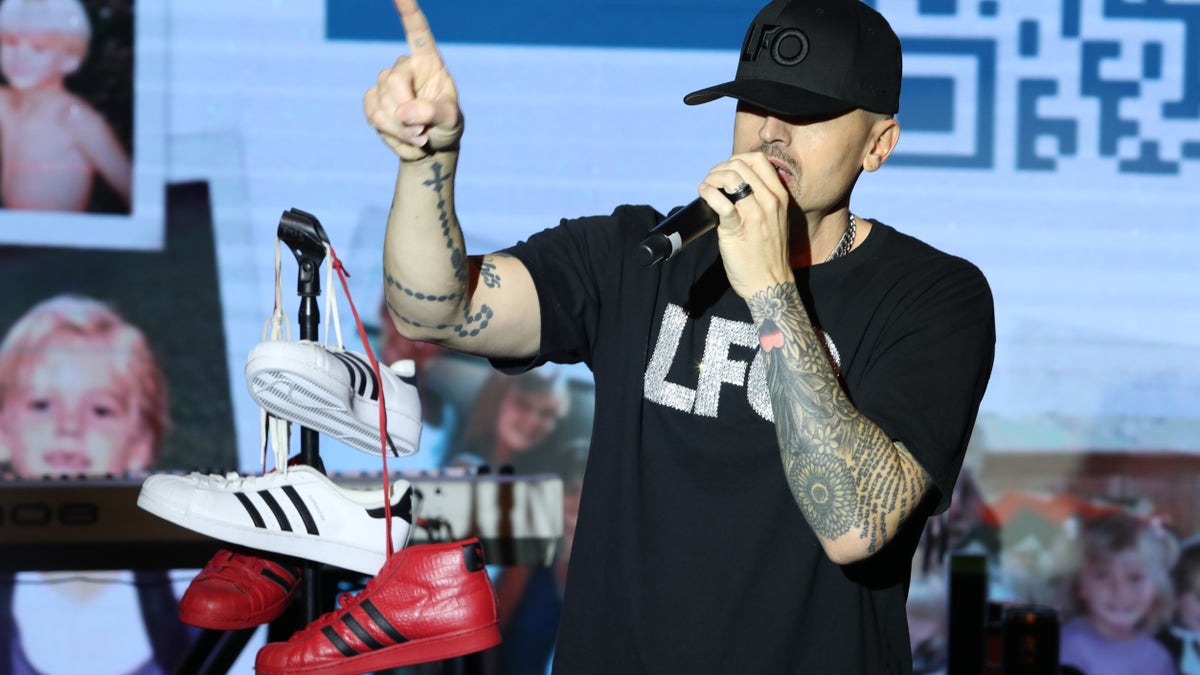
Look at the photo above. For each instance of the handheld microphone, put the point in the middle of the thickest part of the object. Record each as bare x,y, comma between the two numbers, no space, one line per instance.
682,228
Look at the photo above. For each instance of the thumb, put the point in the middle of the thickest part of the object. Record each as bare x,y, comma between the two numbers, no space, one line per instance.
447,128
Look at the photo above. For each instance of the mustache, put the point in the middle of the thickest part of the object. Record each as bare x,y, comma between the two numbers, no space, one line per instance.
773,151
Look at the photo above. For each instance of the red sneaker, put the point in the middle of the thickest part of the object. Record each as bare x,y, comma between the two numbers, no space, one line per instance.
236,590
429,602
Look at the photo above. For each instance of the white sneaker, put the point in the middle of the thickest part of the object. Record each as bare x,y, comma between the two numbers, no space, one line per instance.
334,392
297,512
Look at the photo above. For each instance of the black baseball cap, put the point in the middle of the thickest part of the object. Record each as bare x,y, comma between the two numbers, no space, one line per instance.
815,58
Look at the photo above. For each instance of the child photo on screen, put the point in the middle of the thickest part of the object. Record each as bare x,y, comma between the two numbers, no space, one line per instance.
53,143
1120,596
82,394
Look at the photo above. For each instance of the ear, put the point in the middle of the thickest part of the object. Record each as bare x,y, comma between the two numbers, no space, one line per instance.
884,135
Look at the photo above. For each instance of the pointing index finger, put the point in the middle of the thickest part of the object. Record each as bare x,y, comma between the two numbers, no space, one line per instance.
416,27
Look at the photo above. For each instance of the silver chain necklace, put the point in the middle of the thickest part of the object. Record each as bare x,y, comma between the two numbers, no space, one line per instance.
846,242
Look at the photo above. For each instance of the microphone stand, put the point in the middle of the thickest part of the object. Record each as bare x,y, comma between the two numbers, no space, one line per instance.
304,236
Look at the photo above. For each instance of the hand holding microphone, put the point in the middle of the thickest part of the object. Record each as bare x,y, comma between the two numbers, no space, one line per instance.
683,227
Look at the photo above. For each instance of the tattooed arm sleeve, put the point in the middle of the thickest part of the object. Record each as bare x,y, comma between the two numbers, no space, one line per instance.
852,483
436,293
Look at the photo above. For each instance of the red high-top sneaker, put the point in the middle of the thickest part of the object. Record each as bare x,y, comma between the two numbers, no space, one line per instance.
429,602
236,590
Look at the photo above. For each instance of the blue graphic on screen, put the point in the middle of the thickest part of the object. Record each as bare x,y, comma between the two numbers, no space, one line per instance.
954,111
675,24
927,103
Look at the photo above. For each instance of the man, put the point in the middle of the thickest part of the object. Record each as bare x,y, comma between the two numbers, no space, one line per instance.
808,379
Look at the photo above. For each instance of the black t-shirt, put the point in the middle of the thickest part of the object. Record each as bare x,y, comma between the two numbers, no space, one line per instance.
690,554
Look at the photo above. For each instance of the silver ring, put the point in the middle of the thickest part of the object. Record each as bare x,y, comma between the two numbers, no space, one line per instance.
739,193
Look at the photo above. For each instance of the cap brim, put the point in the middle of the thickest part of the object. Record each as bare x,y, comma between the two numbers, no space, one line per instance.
774,97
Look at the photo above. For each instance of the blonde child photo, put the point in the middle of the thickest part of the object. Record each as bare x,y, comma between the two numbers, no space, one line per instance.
1120,595
82,394
53,143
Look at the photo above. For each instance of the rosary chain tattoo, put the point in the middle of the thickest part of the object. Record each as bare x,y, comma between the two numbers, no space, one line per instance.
472,324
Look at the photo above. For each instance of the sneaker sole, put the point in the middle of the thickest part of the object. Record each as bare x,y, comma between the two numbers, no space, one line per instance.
315,404
404,654
266,615
339,554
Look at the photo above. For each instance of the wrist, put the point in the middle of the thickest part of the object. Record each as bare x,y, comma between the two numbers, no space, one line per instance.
424,155
773,301
764,284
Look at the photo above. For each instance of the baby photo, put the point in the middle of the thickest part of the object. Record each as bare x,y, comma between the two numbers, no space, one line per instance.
66,102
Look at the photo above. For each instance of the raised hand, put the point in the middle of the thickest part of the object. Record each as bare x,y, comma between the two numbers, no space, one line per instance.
414,104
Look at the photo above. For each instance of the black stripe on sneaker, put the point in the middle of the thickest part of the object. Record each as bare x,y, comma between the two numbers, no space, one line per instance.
356,382
338,643
406,509
370,374
366,364
360,374
362,634
401,509
255,517
310,525
276,509
383,624
285,584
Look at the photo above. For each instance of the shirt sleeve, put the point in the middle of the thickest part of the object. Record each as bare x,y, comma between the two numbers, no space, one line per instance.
928,376
571,265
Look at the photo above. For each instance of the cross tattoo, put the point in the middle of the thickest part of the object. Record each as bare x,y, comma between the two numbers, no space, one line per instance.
439,179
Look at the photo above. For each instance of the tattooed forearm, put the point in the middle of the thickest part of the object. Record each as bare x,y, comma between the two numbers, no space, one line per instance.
844,472
440,181
470,326
452,278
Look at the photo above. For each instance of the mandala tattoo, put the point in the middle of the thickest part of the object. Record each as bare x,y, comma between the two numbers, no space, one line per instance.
825,491
844,472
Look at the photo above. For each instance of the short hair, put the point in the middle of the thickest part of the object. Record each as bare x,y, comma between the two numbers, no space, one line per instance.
1102,536
134,366
66,18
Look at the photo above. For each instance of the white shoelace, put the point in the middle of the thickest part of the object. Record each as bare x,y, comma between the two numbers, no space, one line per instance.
331,305
275,432
234,480
272,430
